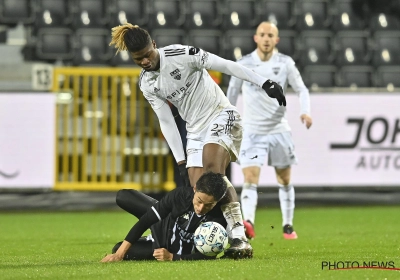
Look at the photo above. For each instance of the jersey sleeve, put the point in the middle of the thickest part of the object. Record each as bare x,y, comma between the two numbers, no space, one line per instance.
296,82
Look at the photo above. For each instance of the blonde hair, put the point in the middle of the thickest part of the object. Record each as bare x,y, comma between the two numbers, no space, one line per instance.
129,37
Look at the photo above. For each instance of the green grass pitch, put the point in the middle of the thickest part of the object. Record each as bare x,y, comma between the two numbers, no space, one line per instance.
69,245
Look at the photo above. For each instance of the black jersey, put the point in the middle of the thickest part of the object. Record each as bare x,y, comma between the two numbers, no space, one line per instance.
180,222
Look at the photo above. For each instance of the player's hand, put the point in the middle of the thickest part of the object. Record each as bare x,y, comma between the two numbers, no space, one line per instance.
184,174
306,119
162,254
112,258
275,91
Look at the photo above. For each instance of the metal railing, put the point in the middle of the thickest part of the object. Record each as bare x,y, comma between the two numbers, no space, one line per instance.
107,136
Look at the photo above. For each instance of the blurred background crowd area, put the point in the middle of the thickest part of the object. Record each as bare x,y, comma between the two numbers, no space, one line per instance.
335,43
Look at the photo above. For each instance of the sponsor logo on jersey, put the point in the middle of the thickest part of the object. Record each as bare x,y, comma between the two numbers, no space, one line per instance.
176,74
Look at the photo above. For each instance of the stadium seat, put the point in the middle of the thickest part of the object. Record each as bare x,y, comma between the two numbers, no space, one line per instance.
316,47
91,14
53,13
319,76
167,14
13,12
313,14
54,44
206,14
166,37
92,46
132,11
387,48
388,76
241,14
384,22
344,18
208,40
353,48
356,76
280,12
288,43
239,43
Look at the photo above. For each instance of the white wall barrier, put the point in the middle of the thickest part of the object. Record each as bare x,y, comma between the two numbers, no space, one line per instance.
27,135
354,141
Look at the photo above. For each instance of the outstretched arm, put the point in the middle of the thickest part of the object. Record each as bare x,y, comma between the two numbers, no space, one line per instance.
235,69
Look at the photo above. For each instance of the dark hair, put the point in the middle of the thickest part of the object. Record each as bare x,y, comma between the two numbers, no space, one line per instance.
129,37
212,184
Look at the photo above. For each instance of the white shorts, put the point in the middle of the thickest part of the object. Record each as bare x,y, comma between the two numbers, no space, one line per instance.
225,130
278,147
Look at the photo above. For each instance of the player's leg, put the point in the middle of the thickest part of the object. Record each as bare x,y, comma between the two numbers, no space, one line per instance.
282,157
216,159
137,203
134,202
140,250
253,151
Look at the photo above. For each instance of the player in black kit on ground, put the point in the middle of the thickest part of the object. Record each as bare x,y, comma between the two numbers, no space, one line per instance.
172,221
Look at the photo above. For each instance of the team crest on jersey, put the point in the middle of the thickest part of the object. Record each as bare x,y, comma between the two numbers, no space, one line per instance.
276,70
176,74
156,90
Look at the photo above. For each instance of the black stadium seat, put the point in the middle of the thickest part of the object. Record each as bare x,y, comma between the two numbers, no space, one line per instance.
208,40
353,48
54,44
92,46
345,18
356,76
13,12
132,11
319,75
388,76
91,14
205,14
316,47
53,13
167,14
241,14
239,43
288,43
314,15
387,48
165,37
280,12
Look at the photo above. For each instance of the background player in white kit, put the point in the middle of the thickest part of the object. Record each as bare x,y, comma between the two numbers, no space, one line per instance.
266,129
178,74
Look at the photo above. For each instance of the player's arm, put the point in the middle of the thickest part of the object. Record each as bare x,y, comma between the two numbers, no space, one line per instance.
234,89
235,69
296,82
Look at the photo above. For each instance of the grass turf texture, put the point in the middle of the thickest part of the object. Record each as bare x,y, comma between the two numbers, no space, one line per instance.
69,245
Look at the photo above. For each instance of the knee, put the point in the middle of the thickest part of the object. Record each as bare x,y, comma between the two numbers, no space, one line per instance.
116,247
119,199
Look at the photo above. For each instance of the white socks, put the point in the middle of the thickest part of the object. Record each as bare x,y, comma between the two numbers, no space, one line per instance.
233,217
286,198
249,199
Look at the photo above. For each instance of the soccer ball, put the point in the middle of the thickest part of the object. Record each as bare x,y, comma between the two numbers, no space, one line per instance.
210,238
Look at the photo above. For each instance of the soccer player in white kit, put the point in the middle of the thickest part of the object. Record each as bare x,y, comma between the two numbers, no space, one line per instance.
177,74
266,129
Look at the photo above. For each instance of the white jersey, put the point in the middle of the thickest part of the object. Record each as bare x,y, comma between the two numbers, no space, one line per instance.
261,114
184,81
